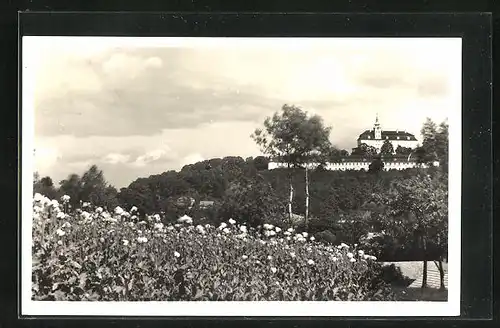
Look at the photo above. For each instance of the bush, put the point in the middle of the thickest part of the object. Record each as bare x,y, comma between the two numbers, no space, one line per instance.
102,257
253,202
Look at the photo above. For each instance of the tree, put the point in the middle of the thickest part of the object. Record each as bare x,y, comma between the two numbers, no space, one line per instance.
442,145
261,163
420,204
254,202
377,165
296,139
364,150
44,186
72,187
94,187
387,148
344,153
403,150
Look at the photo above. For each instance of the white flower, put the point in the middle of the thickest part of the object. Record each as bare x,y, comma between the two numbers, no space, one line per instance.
310,262
292,254
350,255
304,234
207,226
98,210
312,238
222,225
158,226
273,269
101,240
290,230
353,260
59,242
142,240
268,226
118,210
244,257
170,227
272,233
225,230
361,253
54,203
334,259
38,197
243,228
125,242
342,245
133,209
287,233
185,219
373,258
231,221
269,257
60,232
61,215
278,229
176,254
64,198
288,238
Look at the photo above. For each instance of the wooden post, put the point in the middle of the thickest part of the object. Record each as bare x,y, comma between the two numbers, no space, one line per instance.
424,274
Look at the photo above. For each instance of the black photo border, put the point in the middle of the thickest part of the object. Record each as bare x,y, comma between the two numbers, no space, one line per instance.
475,29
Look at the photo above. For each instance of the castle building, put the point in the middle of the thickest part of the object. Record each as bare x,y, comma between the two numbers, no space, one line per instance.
376,137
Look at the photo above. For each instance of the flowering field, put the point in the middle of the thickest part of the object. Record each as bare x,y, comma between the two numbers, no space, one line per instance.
101,256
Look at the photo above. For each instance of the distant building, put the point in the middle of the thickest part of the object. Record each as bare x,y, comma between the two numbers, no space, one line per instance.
358,163
204,204
376,137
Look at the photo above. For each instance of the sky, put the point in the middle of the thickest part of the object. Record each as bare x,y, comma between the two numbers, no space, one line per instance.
142,106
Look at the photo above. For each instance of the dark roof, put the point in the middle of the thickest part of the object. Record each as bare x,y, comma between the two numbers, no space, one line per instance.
391,135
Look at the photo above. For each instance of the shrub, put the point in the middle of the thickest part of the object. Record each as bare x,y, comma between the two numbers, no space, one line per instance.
253,202
102,257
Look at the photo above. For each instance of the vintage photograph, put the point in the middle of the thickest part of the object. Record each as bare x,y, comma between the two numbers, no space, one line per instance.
245,170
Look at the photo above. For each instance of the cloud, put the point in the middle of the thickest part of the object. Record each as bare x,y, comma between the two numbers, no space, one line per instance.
118,106
191,158
154,156
116,158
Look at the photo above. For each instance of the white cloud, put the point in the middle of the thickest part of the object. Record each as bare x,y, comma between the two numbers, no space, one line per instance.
46,157
191,159
151,156
116,158
154,62
123,100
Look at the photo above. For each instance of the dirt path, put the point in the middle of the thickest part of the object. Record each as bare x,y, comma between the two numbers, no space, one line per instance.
414,271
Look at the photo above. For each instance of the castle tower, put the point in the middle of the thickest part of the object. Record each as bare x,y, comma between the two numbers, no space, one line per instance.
377,129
